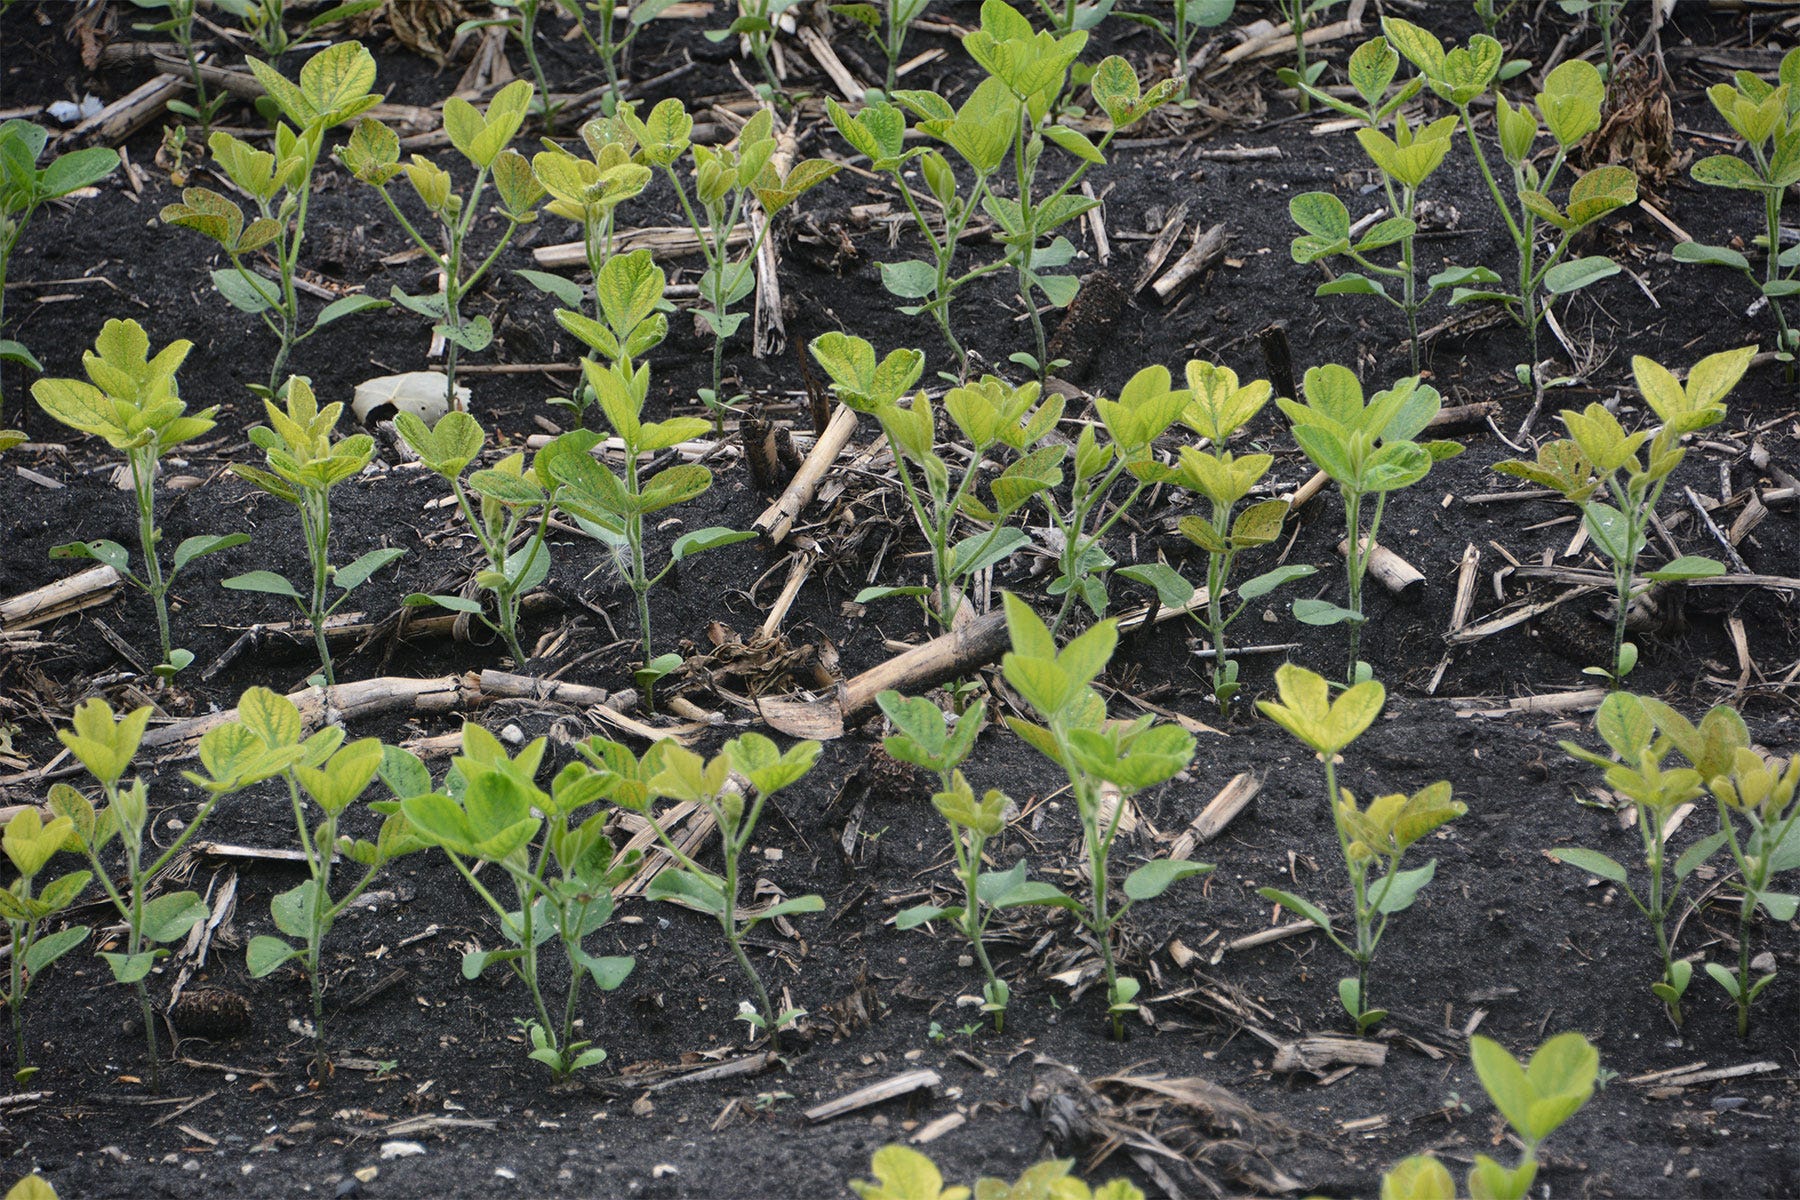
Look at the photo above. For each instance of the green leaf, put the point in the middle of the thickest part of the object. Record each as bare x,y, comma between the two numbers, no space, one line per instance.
266,954
243,294
1399,895
1715,256
1688,566
1156,877
345,306
710,538
567,291
1172,591
129,968
47,950
1298,905
1261,585
1309,611
357,573
204,544
1578,273
170,916
1591,861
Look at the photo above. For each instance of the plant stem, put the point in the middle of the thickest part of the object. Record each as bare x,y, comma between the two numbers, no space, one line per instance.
143,483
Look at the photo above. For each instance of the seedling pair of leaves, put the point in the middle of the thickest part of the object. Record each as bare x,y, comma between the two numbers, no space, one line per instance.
133,401
333,89
304,465
1218,407
989,415
1762,794
902,1173
1106,761
747,763
510,501
1767,118
726,179
886,24
24,188
30,842
1373,840
1536,1099
1367,449
628,300
1569,107
105,744
561,865
1599,458
373,155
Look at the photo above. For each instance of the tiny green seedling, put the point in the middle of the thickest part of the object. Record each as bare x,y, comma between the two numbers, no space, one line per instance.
671,772
1535,1099
333,89
373,155
1180,29
1767,118
1373,839
902,1173
24,188
1761,794
756,24
514,504
304,465
1106,761
1218,407
886,24
30,842
520,18
179,26
1599,458
1300,14
492,811
133,402
1367,449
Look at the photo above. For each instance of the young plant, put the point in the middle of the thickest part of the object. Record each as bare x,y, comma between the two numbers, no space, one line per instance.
1762,794
926,738
756,25
1405,161
902,1173
1218,407
628,297
1536,1099
514,505
1768,120
24,188
105,745
30,843
726,179
1607,16
1569,107
1106,761
333,88
670,772
886,24
1146,407
1629,726
1373,840
265,21
490,812
179,26
1181,28
612,44
304,465
989,416
333,776
133,402
1071,16
1300,14
611,507
373,155
520,18
1368,451
1600,458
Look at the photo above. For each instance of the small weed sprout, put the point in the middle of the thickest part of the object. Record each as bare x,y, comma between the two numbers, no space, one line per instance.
748,762
492,811
1373,840
373,155
133,402
30,842
1219,406
1367,449
1106,761
333,89
1599,458
304,465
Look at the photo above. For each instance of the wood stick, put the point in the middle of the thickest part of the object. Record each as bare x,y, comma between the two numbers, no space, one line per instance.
346,701
830,63
879,1092
1322,1051
1725,543
499,684
1393,572
778,519
1208,246
72,593
1159,249
1219,812
663,241
797,576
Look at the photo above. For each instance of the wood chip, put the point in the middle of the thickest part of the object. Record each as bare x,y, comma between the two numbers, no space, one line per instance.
899,1085
1219,812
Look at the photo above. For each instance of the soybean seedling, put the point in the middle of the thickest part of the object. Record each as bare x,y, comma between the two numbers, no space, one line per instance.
1368,451
1628,725
332,776
513,505
902,1173
1608,15
1569,107
373,155
1300,14
1218,407
617,26
24,188
989,416
30,842
333,89
1767,118
1106,761
886,24
1070,16
105,745
756,25
1373,840
520,18
1599,458
1181,28
726,180
179,26
134,403
671,772
1536,1099
628,295
304,464
489,813
926,738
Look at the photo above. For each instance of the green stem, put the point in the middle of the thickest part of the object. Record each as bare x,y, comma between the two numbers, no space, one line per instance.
143,483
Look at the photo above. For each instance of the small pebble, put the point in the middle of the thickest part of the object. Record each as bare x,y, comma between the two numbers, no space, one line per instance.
393,1150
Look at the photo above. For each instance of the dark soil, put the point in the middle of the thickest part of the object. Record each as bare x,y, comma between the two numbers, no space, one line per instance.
1505,939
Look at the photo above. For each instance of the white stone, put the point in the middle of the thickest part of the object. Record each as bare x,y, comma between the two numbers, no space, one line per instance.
420,393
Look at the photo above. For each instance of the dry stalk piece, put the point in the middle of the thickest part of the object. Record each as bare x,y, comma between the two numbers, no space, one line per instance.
1393,572
70,594
880,1092
1208,247
1321,1052
1219,812
778,519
